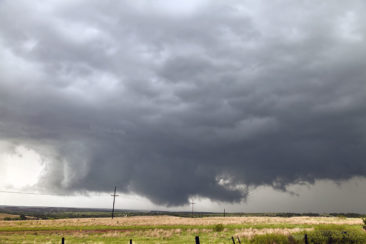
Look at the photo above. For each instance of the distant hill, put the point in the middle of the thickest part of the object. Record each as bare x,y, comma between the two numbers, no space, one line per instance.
39,212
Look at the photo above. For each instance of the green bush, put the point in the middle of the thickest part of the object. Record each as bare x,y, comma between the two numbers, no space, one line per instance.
218,228
271,239
364,221
321,235
22,217
336,236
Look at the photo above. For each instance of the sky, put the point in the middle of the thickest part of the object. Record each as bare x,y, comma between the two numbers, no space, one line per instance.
248,105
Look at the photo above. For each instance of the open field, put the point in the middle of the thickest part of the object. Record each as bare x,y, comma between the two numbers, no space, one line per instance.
169,229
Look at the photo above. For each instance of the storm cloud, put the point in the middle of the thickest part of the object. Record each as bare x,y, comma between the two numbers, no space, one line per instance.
172,100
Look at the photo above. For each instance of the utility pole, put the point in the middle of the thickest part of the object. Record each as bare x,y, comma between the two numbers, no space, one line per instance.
224,212
192,207
114,200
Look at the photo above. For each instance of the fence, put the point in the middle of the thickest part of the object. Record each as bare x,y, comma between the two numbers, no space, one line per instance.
197,239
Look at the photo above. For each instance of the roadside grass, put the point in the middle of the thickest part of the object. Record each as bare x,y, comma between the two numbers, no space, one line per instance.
113,239
319,236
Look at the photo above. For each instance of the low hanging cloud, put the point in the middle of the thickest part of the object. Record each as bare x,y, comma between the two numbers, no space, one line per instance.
171,102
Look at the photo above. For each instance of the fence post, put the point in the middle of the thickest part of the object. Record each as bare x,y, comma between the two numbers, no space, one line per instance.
306,239
330,240
63,240
232,238
197,240
239,240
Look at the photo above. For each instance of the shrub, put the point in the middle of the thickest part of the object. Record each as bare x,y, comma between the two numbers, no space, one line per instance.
218,227
364,221
271,239
336,236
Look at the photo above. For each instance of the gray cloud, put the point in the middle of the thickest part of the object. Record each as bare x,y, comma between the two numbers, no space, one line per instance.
205,102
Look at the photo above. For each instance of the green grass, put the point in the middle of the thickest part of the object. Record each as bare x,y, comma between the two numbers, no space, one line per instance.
138,236
319,236
103,239
315,237
337,234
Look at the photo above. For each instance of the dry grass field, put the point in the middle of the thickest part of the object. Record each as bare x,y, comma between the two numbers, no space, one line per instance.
171,220
168,229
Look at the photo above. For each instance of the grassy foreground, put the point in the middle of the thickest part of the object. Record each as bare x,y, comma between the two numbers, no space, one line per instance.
168,229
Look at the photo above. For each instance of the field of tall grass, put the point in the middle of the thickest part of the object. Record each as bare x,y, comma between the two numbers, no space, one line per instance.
168,229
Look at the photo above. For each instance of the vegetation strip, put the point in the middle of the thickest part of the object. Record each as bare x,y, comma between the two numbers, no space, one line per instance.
162,227
141,227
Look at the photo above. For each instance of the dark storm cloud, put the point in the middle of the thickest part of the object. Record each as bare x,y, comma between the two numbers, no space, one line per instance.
174,104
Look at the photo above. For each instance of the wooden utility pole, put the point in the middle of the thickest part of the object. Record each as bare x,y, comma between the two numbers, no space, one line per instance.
114,200
192,207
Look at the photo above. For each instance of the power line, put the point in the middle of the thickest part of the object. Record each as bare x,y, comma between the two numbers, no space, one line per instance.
31,193
41,194
62,195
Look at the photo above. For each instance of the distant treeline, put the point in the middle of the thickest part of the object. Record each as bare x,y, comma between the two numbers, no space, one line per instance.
62,213
198,214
